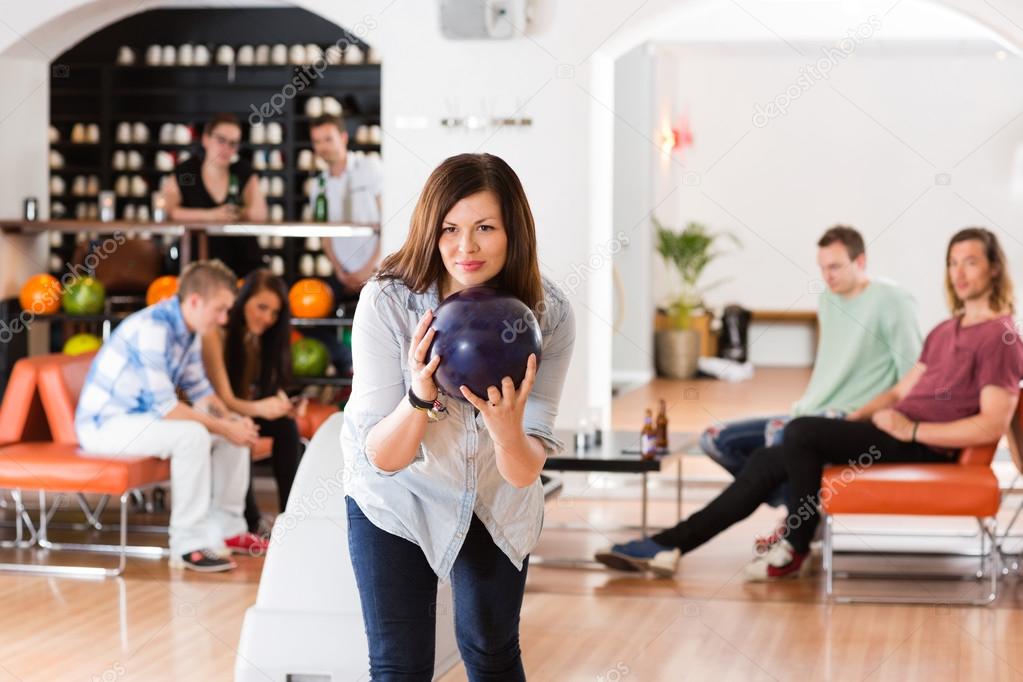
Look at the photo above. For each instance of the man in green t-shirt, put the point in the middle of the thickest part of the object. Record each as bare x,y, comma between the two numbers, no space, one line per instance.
868,338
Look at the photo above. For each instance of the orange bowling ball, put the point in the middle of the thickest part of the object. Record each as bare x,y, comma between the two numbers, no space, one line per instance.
311,298
161,288
41,295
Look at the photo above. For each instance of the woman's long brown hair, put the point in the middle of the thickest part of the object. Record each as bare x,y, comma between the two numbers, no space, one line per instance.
1002,297
418,262
275,343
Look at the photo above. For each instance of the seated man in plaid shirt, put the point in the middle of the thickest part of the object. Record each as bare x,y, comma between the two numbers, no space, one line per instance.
129,406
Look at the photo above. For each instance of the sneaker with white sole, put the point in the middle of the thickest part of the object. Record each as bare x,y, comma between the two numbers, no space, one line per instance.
641,555
203,561
780,562
762,544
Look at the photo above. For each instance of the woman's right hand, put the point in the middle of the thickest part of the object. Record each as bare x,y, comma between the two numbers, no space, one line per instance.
421,371
273,407
225,213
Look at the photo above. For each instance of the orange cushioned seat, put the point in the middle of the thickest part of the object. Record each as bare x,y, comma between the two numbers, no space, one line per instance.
263,449
315,414
59,467
22,416
53,382
912,489
967,488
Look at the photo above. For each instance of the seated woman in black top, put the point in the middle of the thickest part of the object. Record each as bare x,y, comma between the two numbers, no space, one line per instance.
212,188
249,365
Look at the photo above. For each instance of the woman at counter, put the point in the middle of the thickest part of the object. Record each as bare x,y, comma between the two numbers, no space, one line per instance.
217,187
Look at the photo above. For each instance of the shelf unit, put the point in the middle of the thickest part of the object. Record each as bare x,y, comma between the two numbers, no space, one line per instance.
87,86
103,324
117,307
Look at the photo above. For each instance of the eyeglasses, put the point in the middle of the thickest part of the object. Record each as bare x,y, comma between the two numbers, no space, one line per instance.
220,139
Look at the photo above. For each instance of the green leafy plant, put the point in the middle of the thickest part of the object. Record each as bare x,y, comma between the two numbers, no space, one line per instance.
688,252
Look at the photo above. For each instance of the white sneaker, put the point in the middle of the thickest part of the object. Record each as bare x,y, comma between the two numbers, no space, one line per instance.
779,563
641,555
665,564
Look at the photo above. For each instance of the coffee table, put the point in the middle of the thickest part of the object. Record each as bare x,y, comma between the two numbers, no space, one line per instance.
619,453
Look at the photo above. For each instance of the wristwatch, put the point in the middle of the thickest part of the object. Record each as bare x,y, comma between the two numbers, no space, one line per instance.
434,409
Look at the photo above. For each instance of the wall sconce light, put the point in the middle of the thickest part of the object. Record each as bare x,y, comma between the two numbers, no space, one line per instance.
677,138
669,139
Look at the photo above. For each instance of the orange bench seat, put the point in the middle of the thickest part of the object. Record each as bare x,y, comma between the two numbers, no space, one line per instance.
61,467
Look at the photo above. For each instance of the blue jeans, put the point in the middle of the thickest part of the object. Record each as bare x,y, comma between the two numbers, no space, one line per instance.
732,444
398,591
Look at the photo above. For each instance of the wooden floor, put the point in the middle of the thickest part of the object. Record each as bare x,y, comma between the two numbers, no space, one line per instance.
157,624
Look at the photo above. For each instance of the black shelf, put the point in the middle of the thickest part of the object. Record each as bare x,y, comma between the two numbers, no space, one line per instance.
371,115
322,381
111,94
157,145
322,321
221,67
78,170
73,117
140,171
95,319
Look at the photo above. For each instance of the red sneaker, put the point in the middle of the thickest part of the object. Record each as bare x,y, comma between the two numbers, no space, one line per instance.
762,544
781,562
248,543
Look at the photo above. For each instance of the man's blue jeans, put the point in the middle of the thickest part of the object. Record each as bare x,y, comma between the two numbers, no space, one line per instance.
732,444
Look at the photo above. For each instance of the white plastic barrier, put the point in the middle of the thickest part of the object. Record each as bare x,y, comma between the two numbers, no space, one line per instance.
306,625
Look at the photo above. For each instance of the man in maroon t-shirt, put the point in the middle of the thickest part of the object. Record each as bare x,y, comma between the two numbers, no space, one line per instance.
961,392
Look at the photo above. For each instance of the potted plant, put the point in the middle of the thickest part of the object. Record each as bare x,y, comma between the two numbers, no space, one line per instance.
686,253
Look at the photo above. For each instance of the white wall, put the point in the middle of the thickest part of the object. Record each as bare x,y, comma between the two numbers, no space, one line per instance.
873,147
24,106
632,344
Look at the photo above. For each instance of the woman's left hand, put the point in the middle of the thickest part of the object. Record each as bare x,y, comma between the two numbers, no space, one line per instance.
502,410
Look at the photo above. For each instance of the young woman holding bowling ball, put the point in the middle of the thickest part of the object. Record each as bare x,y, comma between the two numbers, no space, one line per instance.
447,487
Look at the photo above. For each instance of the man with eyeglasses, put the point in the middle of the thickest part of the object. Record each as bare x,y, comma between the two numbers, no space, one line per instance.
868,338
219,187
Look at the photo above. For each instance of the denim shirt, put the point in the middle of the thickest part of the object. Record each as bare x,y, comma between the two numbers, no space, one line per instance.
432,500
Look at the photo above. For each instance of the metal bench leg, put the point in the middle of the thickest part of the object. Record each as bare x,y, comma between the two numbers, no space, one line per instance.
74,571
989,566
829,557
93,515
152,551
21,520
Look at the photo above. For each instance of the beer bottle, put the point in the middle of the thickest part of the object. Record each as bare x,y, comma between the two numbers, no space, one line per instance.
662,427
320,207
648,437
233,192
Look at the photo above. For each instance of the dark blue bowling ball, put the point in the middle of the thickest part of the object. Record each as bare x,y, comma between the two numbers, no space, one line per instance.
483,335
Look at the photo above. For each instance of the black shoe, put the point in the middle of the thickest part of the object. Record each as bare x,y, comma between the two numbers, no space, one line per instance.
203,561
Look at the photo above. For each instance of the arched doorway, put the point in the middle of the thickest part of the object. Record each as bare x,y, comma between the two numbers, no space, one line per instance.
656,24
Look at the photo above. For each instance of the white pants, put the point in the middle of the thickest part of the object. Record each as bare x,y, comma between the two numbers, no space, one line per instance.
209,474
